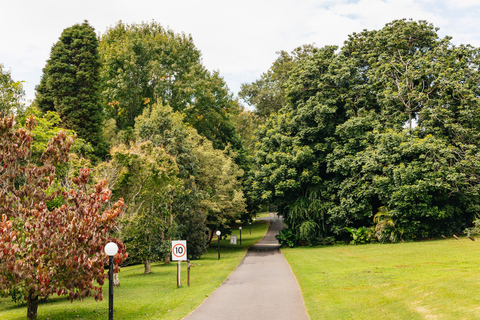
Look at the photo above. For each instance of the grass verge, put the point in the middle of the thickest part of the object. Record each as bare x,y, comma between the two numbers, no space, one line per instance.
155,295
420,280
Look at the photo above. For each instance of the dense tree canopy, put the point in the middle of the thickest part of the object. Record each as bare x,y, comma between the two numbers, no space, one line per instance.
70,84
390,121
146,64
267,94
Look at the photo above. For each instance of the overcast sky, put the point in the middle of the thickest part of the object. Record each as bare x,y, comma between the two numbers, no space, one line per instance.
238,38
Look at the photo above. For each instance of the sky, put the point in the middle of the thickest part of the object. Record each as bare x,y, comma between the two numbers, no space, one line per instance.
238,38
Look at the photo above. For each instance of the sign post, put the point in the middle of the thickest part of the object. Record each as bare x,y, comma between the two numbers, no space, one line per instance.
179,253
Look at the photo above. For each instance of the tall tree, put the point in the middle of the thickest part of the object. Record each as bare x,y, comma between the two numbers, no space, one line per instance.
147,64
70,84
47,248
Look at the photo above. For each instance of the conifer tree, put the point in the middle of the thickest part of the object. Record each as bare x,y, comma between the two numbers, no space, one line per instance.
70,84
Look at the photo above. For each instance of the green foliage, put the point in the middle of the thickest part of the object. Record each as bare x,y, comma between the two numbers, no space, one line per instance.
220,184
390,120
70,85
47,127
145,64
361,235
267,94
472,231
212,195
286,238
146,178
165,128
385,230
11,94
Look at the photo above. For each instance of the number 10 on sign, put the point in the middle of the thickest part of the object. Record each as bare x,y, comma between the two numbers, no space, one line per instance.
179,250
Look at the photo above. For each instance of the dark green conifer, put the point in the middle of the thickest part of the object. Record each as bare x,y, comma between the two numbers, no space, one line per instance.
70,84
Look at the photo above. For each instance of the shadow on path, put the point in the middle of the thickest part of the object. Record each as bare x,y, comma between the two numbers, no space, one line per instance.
261,287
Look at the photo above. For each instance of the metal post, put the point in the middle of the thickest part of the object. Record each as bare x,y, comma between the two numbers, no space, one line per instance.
110,288
240,235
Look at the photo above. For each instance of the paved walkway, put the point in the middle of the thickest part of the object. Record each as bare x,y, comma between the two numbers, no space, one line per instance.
262,287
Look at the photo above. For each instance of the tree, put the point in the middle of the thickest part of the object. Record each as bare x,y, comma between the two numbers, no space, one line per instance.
166,129
70,84
145,64
11,94
47,249
223,197
146,177
267,94
212,194
347,138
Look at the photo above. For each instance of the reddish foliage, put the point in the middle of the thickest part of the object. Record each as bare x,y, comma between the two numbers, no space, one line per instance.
45,252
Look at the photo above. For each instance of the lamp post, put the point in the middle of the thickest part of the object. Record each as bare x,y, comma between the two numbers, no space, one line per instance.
218,240
240,228
250,223
111,250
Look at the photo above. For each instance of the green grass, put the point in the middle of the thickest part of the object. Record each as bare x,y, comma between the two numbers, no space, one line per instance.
262,215
155,295
421,280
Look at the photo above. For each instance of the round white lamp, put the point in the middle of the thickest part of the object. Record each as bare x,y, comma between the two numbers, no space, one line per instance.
111,249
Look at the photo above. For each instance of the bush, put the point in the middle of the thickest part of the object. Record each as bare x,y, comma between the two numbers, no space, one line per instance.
361,235
286,238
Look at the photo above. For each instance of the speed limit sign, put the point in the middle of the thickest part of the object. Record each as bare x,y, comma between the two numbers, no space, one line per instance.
179,250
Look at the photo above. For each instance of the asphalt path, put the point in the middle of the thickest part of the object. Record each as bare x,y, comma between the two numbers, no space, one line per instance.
261,287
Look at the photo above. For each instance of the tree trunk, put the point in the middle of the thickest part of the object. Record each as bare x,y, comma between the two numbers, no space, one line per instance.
210,236
167,259
147,266
32,306
116,280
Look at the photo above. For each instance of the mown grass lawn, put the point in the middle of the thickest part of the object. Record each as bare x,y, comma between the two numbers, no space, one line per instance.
152,296
419,280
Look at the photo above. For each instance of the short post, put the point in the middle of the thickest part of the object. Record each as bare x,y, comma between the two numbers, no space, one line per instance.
188,272
218,239
240,235
111,250
250,223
